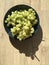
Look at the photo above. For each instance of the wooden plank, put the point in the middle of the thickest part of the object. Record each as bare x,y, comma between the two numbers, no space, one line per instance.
27,2
9,55
36,4
44,5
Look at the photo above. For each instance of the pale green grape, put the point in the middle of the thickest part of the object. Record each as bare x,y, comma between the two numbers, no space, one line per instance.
18,25
34,22
18,21
12,30
24,33
9,16
18,29
30,10
32,30
26,13
9,23
25,27
6,21
13,24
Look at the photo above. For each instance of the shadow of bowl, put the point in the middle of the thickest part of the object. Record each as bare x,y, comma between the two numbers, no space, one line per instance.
30,45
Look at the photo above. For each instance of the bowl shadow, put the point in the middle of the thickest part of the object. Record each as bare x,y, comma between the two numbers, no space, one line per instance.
29,46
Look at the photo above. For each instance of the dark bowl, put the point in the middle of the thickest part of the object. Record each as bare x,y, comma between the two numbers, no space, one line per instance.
19,7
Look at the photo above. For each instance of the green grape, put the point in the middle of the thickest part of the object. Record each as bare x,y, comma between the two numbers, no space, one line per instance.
30,10
26,27
20,13
24,23
25,20
13,15
31,17
28,17
13,24
12,30
35,22
18,29
16,12
18,25
18,21
29,23
20,36
14,20
20,39
6,21
19,16
24,33
32,30
14,33
34,13
12,12
9,23
17,37
9,16
26,13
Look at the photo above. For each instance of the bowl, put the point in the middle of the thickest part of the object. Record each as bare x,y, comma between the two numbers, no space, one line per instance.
19,7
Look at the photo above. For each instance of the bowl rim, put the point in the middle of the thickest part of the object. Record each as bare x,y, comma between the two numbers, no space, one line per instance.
9,33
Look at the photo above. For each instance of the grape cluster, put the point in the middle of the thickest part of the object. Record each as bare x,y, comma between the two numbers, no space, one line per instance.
22,22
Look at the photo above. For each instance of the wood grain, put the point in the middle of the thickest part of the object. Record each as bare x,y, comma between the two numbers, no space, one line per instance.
36,52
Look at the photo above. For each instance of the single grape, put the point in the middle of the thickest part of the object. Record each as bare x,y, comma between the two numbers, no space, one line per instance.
12,30
6,21
30,10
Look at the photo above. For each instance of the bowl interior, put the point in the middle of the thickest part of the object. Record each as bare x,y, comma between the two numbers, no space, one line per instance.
19,7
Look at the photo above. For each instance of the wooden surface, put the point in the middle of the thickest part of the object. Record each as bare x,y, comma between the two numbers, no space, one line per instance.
36,51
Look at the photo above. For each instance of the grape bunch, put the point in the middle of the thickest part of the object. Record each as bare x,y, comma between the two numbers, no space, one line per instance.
22,23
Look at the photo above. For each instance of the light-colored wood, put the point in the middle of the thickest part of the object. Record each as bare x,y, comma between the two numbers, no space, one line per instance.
9,55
